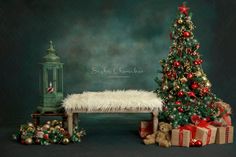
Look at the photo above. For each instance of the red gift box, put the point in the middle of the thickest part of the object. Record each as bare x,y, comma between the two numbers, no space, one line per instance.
146,128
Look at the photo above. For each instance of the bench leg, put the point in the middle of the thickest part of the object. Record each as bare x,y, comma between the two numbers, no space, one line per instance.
155,120
70,122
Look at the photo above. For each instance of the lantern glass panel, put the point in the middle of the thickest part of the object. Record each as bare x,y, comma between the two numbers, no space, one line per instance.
50,76
59,80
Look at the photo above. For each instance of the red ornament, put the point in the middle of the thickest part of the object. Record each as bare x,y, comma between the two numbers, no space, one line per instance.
195,119
174,74
191,94
22,141
177,102
180,109
169,74
37,141
195,143
190,76
198,143
192,142
189,50
197,46
194,53
176,63
198,62
183,9
186,34
164,108
205,90
208,119
194,85
46,136
180,93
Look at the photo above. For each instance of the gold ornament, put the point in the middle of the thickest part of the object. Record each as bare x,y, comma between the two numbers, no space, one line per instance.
170,96
65,141
57,127
183,80
204,78
52,129
208,84
54,122
165,87
177,87
48,122
198,73
30,124
30,129
46,127
62,129
28,141
180,21
191,27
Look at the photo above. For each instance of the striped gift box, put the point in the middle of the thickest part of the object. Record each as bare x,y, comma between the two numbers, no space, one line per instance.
225,135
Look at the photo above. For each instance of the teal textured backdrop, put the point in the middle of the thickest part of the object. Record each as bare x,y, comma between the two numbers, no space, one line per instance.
105,44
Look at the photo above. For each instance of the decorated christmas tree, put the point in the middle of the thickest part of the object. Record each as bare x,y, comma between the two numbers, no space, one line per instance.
184,87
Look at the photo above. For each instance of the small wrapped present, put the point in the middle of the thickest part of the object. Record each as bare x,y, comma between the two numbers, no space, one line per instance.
207,134
225,135
181,137
224,112
225,120
146,128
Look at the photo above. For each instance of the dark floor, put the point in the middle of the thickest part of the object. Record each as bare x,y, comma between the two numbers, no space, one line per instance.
108,135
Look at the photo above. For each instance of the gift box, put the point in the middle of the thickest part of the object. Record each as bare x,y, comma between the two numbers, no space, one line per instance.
145,128
224,135
223,121
207,134
180,137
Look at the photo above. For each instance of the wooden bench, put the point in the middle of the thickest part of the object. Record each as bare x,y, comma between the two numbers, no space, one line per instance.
73,117
131,101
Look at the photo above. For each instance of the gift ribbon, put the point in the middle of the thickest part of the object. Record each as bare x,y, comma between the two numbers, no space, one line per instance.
227,135
208,135
205,124
181,137
227,119
192,130
225,116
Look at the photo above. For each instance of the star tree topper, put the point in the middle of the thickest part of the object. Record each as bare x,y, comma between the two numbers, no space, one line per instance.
183,9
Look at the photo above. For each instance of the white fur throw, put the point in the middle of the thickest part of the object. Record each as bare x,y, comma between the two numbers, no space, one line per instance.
113,101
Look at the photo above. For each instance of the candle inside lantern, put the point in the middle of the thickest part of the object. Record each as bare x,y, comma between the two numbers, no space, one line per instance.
50,88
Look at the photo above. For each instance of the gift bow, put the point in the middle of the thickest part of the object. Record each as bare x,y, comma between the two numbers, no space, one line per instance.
193,130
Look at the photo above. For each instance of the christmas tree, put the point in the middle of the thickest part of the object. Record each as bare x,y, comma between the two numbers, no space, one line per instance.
184,87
